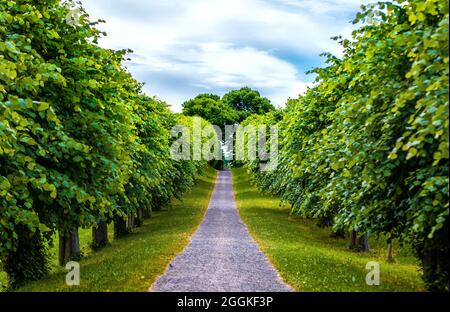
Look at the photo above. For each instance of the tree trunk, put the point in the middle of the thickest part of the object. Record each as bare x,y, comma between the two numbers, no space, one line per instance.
69,246
359,243
363,243
135,220
353,237
130,221
120,227
145,213
100,235
390,251
139,218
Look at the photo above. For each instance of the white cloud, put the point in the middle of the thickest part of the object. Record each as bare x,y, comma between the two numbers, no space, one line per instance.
186,47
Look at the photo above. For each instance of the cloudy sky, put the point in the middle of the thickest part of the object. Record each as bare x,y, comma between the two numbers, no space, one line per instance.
185,47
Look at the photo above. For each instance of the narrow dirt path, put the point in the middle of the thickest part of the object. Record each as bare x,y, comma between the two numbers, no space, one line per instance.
222,256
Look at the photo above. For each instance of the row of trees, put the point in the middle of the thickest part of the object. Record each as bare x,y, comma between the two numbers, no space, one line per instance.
366,149
80,144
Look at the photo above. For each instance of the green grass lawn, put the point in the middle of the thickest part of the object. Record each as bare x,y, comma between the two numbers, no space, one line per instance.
308,258
134,262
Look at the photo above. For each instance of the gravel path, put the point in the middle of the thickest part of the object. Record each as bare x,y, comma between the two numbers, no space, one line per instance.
221,256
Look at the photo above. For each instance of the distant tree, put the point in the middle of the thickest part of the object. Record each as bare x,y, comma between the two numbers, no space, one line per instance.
211,108
247,102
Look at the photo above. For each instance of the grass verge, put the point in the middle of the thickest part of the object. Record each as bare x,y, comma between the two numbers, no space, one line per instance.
134,262
308,258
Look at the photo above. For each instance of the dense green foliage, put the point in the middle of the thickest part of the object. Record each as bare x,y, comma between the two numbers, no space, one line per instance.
247,102
211,108
367,147
79,142
233,107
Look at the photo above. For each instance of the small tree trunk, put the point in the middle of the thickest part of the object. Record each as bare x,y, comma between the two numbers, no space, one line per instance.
100,235
69,246
390,251
359,243
145,213
363,243
120,227
130,221
135,220
140,216
353,237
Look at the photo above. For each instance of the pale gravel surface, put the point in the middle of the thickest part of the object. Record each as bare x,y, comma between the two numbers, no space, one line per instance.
222,256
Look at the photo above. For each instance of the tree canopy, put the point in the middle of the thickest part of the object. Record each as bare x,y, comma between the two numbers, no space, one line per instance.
211,108
247,101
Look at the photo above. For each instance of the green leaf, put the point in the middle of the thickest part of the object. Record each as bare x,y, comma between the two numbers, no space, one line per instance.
4,184
42,106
